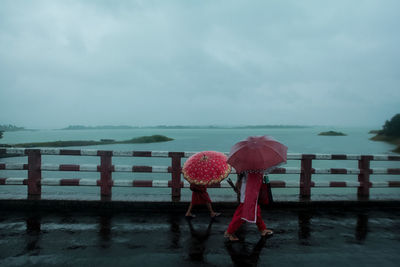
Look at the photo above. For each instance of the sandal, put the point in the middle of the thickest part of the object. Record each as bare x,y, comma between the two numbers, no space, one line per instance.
231,237
267,232
216,214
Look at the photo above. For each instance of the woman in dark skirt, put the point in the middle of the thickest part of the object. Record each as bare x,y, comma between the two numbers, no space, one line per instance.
200,197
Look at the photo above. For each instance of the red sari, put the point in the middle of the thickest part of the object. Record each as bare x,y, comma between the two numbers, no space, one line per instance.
248,210
199,194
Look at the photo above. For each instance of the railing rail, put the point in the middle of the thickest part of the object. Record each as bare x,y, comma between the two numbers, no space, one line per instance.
34,179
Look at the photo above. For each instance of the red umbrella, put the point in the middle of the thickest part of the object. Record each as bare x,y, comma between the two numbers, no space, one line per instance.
257,153
205,168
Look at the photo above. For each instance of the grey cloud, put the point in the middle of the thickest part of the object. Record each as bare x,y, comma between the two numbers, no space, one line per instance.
196,62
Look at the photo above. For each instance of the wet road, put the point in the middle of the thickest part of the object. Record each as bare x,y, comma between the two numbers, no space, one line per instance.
320,237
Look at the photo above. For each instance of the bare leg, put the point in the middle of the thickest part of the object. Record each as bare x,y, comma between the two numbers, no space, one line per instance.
212,212
189,211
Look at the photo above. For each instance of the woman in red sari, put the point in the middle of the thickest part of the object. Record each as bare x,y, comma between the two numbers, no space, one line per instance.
248,185
200,197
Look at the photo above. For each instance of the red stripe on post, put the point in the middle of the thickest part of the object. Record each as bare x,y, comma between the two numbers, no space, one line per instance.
3,181
142,183
337,184
98,183
214,185
176,154
112,168
69,182
279,170
142,153
278,184
69,167
142,169
369,171
170,184
393,171
70,152
104,152
339,156
308,156
338,171
34,173
394,184
106,181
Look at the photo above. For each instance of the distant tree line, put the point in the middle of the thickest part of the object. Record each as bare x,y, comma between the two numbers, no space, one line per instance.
391,128
104,127
390,132
10,128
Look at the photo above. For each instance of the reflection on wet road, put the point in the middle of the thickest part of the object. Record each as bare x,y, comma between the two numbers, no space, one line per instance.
320,237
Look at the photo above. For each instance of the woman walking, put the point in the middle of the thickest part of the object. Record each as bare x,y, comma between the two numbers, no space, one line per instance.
200,197
203,169
251,158
247,210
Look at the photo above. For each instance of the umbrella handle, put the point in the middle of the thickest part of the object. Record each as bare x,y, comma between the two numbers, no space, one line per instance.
232,185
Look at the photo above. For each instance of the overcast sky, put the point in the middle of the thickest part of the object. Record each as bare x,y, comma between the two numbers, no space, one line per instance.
199,62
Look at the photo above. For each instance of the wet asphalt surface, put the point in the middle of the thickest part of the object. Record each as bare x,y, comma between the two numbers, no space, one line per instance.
318,237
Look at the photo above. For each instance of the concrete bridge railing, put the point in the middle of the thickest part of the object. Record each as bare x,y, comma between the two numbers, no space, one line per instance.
34,167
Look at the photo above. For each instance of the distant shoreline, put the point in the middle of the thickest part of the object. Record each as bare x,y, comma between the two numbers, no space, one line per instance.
136,140
110,127
389,139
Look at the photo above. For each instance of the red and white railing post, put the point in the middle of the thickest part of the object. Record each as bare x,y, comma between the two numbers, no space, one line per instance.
105,169
34,173
305,176
176,174
363,177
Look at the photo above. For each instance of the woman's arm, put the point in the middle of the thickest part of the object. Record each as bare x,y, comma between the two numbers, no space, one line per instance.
239,185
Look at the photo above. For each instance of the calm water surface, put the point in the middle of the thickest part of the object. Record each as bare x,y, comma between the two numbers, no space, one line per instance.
298,140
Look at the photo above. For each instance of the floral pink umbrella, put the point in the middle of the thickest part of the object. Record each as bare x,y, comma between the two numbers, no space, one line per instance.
205,168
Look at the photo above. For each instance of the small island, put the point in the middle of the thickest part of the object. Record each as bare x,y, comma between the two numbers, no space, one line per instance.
332,133
136,140
390,132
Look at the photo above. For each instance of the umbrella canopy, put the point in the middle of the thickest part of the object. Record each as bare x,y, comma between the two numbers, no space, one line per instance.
205,168
257,153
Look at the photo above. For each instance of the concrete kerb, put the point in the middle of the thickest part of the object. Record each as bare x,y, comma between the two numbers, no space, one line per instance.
177,207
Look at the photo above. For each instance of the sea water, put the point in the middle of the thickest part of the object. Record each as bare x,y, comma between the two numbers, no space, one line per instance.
298,140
